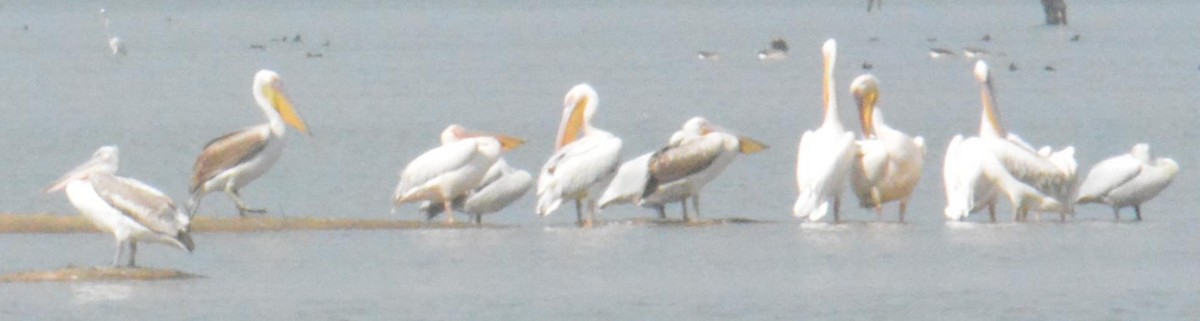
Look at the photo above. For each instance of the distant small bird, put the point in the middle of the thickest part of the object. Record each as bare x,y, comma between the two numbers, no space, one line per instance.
1012,66
973,52
1075,38
297,38
876,4
867,65
708,55
314,55
931,39
26,27
258,46
117,45
939,52
1049,68
873,39
778,51
987,37
326,44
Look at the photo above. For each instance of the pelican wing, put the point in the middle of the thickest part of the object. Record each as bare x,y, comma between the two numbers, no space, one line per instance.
822,163
433,163
500,193
629,183
1152,180
226,152
145,205
1107,176
673,163
576,168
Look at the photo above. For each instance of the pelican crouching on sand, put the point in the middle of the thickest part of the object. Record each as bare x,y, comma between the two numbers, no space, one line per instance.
451,170
824,157
131,210
888,163
584,161
501,186
1127,180
230,162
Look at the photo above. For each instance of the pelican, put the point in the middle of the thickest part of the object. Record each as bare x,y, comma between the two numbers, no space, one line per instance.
230,162
584,160
778,51
452,169
1042,180
501,186
1127,180
696,155
131,210
824,157
888,164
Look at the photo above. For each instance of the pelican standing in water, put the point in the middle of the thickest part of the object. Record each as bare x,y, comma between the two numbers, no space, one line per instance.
1041,180
501,186
824,157
696,155
131,210
584,160
1127,180
451,170
230,162
888,164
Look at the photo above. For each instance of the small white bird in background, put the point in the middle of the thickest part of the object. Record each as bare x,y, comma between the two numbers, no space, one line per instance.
1127,180
825,154
584,161
451,170
115,44
888,164
131,210
694,156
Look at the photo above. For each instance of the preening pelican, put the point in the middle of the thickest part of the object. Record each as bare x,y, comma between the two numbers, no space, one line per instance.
1127,180
778,51
452,169
584,161
1041,180
824,157
888,163
501,186
230,162
131,210
696,155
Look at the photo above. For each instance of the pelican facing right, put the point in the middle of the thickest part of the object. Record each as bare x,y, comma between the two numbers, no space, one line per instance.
584,161
1128,180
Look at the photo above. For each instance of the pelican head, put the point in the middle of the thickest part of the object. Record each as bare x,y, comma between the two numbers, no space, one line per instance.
104,161
578,107
455,132
1141,152
700,126
865,89
268,91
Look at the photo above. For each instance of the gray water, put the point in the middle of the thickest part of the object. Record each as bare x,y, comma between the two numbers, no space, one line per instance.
395,74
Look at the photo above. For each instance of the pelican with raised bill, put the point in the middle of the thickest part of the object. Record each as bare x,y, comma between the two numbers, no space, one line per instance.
1127,180
825,154
453,169
889,162
230,162
584,161
696,155
131,210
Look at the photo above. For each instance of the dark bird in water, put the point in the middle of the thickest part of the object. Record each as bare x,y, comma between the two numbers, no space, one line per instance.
987,37
778,51
1050,68
867,65
297,38
931,39
1075,38
259,47
873,39
939,52
708,55
314,55
326,44
874,4
1012,66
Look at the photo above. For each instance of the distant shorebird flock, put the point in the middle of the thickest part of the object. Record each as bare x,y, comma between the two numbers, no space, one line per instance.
467,173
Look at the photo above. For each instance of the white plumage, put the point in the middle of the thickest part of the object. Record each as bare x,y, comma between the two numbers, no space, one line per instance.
452,169
1127,180
584,161
824,156
888,164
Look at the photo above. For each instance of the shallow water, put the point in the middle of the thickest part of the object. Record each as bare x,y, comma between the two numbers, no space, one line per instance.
395,74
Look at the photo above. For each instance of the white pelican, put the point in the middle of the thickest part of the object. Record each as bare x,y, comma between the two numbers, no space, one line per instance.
778,51
452,169
230,162
824,157
584,160
1127,180
888,163
501,186
696,155
131,210
975,178
1042,180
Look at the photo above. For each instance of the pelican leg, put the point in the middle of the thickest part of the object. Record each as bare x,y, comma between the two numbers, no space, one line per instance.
992,211
683,204
837,205
1116,214
591,212
662,212
478,219
120,250
903,209
241,206
132,253
695,206
449,209
1137,209
578,212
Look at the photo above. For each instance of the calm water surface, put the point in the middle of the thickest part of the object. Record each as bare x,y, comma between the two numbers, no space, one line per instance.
394,75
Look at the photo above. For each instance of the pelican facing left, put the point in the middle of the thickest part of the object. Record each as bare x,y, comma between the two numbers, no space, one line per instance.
888,163
131,210
230,162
